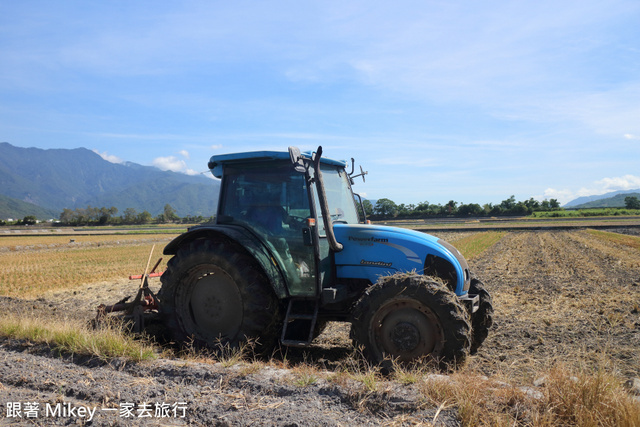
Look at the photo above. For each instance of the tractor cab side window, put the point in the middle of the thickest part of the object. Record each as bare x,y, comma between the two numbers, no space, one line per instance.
271,199
273,203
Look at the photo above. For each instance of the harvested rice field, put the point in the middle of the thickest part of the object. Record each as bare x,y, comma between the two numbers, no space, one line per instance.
565,341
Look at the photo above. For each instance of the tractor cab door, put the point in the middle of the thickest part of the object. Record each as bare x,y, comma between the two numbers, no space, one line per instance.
272,201
342,210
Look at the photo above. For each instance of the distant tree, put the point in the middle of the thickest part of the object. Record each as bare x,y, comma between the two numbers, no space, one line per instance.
67,216
508,204
144,218
104,214
472,209
450,208
170,213
521,208
422,206
192,219
553,204
495,210
89,215
29,220
129,216
404,210
385,208
631,202
368,207
532,204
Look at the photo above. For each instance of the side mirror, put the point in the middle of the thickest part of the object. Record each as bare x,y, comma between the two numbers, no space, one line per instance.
362,174
296,159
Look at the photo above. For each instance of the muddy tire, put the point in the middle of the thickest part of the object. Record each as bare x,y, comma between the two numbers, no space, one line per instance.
482,319
408,318
214,293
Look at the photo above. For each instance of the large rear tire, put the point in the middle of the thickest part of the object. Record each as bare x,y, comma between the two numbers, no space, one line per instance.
482,319
215,293
411,317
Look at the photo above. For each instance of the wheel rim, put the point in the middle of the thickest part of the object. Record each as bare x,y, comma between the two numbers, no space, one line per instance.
407,330
215,306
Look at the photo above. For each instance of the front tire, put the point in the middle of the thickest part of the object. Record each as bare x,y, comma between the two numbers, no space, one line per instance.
482,319
215,293
408,318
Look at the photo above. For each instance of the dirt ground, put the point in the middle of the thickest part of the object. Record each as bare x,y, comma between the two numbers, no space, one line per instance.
559,297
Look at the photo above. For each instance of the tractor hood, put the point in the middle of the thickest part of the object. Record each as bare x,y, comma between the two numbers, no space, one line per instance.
371,251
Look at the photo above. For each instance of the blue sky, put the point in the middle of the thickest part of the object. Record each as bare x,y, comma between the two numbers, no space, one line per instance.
438,100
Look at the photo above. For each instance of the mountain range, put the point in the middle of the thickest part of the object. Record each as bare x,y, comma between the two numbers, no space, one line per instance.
613,199
43,183
48,181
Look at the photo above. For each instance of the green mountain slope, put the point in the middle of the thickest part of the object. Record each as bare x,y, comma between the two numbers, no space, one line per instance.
57,179
17,209
616,201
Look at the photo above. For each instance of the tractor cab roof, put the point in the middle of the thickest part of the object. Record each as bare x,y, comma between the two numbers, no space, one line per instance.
216,163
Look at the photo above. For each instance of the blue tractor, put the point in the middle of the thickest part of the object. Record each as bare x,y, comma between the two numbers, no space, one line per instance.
291,250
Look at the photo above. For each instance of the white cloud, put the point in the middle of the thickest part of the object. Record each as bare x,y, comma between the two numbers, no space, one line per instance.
216,147
626,182
605,185
109,157
562,196
630,136
170,163
184,153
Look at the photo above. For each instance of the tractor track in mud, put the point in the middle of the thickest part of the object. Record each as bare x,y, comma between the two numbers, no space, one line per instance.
559,297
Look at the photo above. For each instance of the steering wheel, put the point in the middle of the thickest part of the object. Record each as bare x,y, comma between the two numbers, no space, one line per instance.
296,222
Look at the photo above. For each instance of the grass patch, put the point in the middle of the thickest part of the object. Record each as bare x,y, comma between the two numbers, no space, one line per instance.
620,239
586,398
412,373
305,375
594,212
225,354
70,337
474,245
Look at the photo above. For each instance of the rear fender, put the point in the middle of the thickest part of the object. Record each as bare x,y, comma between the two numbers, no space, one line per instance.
242,238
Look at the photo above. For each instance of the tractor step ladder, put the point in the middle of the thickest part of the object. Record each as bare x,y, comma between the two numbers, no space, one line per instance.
300,322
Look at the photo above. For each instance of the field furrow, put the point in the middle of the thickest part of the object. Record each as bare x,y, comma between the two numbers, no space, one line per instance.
561,297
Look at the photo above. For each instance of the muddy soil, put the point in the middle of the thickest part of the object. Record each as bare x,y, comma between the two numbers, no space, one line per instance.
559,297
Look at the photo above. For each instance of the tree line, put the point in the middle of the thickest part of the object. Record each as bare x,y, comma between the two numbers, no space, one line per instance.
386,208
383,209
107,216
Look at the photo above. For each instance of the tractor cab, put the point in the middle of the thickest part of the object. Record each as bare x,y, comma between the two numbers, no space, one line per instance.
265,194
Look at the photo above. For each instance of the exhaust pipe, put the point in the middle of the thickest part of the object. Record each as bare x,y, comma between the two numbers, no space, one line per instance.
324,206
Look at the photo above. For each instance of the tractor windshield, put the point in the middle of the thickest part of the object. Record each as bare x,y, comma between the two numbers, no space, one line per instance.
339,197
